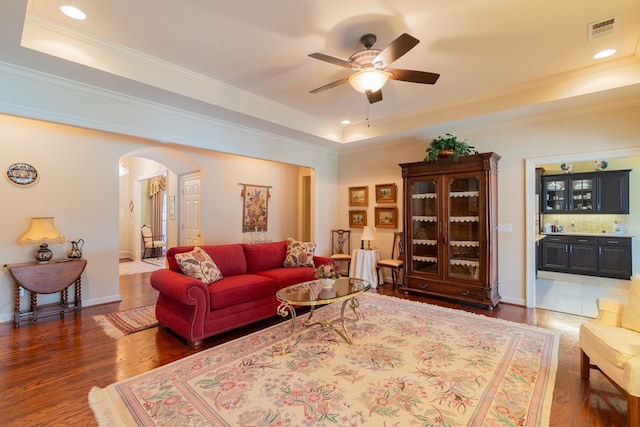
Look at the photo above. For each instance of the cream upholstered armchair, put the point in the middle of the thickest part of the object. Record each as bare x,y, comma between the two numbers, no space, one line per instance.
152,245
611,344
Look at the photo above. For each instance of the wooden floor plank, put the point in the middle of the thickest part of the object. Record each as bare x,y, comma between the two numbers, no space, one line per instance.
47,370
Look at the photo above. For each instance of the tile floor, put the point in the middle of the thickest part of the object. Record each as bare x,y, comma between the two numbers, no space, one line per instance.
576,294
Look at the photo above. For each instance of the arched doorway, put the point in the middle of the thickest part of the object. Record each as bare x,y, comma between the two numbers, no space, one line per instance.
136,168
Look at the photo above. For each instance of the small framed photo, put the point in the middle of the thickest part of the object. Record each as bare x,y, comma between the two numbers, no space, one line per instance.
385,193
358,196
386,217
357,219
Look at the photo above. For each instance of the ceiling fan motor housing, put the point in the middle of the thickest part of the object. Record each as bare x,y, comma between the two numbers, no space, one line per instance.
364,59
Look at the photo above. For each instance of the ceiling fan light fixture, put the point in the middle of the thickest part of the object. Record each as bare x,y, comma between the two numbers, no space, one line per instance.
368,80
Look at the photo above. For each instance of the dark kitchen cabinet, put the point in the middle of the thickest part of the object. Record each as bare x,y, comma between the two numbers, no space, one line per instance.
586,193
588,255
614,256
583,254
613,192
555,253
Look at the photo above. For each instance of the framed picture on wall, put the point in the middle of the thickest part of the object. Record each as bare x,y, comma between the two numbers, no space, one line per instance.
357,219
386,217
385,193
358,196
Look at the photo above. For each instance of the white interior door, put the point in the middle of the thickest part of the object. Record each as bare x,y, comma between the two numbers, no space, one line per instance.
190,224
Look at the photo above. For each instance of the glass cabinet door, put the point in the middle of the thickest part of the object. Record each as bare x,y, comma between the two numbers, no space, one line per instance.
424,227
555,195
464,228
581,194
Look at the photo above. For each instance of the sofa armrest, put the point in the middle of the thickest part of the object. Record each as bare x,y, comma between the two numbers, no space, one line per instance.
610,311
180,287
322,260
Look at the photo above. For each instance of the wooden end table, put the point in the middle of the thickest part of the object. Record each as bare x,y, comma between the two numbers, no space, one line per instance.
48,278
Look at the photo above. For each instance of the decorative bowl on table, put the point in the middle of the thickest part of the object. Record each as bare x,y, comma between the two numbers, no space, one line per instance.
327,282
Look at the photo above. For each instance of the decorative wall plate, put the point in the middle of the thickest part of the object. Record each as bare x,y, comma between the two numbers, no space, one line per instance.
22,174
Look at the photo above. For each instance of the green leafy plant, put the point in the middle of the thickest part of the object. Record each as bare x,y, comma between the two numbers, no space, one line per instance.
448,145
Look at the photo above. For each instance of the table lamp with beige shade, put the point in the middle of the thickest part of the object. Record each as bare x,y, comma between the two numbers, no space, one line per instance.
367,234
42,233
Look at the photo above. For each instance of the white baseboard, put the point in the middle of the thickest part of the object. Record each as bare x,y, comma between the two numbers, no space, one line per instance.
8,317
514,301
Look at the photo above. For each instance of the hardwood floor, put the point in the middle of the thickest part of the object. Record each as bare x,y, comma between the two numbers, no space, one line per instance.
46,370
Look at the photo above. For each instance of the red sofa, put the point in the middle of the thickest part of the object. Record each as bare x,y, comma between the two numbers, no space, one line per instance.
252,273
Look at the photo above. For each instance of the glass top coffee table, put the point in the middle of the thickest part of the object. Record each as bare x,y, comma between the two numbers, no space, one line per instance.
314,293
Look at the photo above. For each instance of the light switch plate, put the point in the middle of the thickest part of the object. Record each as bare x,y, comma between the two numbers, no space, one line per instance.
504,228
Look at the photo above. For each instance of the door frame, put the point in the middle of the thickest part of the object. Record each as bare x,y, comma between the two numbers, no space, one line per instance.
530,200
181,204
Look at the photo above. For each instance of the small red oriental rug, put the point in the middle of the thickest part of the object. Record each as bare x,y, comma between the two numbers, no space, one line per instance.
121,323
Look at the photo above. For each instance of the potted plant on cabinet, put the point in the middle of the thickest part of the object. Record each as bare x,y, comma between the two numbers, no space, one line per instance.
448,146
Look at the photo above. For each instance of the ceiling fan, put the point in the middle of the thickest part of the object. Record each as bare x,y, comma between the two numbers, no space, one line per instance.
371,67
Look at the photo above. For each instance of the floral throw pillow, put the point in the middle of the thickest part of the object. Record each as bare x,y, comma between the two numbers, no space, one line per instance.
199,265
299,254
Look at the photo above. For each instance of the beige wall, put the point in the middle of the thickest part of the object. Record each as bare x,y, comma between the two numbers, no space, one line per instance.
544,140
79,182
79,185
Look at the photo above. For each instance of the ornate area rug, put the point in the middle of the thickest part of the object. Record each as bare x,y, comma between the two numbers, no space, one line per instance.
411,364
135,267
121,323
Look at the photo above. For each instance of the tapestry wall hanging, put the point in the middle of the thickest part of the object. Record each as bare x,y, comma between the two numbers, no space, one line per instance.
255,207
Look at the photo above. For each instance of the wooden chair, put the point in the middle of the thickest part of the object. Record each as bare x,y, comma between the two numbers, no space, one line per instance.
151,243
395,263
341,248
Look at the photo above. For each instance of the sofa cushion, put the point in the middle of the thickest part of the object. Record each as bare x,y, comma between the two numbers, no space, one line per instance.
289,276
616,344
198,264
238,289
265,256
229,258
631,314
299,254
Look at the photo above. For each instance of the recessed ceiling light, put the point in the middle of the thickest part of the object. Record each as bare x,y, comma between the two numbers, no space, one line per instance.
346,122
604,53
73,12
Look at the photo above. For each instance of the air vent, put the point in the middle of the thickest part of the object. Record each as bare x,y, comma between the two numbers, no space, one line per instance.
604,28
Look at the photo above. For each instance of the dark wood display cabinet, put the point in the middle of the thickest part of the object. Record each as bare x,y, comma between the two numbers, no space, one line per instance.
603,256
450,228
586,193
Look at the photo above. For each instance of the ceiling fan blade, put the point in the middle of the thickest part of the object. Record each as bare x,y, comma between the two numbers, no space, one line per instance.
374,96
330,85
330,59
413,76
395,50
